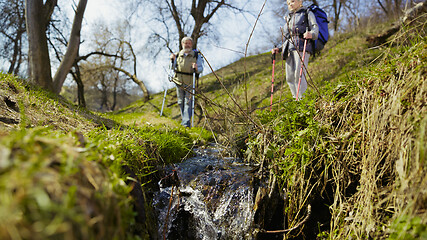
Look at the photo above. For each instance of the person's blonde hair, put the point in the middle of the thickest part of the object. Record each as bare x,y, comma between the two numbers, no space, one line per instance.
186,38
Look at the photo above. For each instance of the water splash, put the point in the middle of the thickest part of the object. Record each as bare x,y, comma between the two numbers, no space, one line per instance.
214,199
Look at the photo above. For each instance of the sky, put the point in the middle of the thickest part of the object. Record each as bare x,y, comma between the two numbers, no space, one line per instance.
233,32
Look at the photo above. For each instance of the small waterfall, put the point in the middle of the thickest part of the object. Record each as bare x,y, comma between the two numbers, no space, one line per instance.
214,199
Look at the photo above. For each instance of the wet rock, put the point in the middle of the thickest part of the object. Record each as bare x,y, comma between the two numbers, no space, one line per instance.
170,180
212,182
218,199
269,208
183,226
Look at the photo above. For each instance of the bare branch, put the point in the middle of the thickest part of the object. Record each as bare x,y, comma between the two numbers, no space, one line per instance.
85,57
382,6
49,6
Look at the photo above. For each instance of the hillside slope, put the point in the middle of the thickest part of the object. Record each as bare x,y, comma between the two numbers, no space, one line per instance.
68,173
246,83
352,151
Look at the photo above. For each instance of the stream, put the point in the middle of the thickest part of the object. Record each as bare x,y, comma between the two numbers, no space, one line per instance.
213,198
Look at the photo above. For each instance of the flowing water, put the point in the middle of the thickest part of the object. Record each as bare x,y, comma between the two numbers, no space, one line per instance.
213,199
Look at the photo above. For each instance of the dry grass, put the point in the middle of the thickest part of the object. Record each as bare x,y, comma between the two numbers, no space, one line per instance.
384,148
364,155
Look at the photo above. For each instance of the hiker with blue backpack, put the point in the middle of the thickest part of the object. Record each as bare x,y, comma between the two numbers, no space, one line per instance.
187,64
301,32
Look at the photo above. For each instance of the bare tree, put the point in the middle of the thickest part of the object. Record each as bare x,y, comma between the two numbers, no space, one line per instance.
185,18
132,76
106,86
104,89
346,14
77,76
337,6
123,58
392,8
12,28
38,16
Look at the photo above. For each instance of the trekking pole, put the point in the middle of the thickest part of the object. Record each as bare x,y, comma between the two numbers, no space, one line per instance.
273,58
163,104
166,89
194,92
302,64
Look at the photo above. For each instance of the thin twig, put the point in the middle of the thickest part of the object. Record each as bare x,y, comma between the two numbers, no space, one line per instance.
167,216
229,49
295,227
246,53
229,94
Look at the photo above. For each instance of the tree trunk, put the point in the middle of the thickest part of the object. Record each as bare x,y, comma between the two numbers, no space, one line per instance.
18,66
337,12
38,16
382,7
72,49
17,46
116,79
15,55
39,68
80,87
104,96
80,93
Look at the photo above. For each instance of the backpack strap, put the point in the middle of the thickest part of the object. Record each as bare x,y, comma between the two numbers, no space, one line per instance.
196,55
184,73
313,42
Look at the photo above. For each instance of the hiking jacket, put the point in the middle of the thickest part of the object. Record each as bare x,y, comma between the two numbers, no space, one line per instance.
295,27
184,70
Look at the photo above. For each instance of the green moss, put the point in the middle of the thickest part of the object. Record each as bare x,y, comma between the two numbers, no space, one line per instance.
48,189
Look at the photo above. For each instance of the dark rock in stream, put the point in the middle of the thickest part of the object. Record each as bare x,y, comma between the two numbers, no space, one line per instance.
170,180
215,200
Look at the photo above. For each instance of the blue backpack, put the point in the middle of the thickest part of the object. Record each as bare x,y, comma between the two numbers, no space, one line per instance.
322,22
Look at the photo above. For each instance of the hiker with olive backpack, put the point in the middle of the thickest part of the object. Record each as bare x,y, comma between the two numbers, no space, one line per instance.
301,33
188,64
